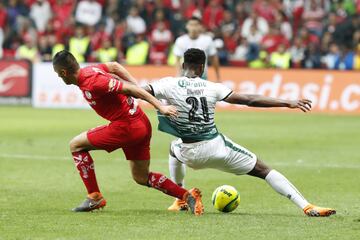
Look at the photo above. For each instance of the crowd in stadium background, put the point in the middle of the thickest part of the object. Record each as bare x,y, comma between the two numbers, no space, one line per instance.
260,33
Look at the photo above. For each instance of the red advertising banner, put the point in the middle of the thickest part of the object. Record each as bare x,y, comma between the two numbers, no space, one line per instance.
15,82
330,91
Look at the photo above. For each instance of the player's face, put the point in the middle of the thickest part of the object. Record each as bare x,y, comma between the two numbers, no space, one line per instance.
193,27
63,74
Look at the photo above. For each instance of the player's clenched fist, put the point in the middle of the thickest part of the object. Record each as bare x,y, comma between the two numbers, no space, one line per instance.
303,104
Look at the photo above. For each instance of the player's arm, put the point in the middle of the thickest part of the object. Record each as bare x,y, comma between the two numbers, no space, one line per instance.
253,100
215,63
119,70
138,92
178,66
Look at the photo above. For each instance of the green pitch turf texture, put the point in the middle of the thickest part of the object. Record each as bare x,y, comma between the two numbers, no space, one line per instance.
39,184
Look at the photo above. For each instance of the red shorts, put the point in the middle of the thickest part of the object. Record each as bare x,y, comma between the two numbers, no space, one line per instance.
132,136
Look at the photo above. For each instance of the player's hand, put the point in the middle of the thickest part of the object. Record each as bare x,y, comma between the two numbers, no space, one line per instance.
168,111
303,104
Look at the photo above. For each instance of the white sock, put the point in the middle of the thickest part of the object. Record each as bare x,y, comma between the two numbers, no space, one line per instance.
280,184
177,171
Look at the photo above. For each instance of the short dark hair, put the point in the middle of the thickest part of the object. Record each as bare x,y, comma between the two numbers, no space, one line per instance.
194,18
66,60
194,56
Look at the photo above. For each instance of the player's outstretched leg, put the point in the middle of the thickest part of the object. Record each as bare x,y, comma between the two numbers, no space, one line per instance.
177,174
281,185
141,175
79,147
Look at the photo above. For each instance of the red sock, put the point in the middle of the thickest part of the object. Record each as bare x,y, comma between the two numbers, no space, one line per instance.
85,165
162,183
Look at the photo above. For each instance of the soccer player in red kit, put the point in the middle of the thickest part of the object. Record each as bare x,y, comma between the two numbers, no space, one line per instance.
129,128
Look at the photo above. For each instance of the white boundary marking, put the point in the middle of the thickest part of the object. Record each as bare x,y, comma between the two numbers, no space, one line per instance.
35,157
298,163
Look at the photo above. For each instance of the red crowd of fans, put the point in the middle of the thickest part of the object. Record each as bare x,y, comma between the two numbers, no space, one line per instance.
259,33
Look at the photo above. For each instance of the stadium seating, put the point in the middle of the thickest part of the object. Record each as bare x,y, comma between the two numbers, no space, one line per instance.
308,29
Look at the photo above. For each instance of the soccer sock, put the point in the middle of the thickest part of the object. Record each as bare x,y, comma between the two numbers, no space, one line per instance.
177,171
85,165
280,184
162,183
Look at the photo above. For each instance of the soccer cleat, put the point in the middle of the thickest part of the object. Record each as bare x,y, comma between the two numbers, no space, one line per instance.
179,205
93,201
193,199
314,211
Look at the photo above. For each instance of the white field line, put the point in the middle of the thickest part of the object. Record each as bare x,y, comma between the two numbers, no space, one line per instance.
35,157
299,163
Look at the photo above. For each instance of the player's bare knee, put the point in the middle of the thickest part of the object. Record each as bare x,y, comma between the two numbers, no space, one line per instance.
75,145
261,170
141,180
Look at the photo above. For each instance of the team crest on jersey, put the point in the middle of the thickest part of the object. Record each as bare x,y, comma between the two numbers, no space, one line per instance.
88,95
112,84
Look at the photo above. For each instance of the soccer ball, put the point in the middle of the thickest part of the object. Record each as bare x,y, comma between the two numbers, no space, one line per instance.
225,198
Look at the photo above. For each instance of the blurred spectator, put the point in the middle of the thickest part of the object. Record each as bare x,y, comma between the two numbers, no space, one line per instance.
325,42
280,58
332,57
307,38
213,15
28,50
106,53
357,58
88,12
26,30
57,45
332,21
346,60
297,52
135,23
16,12
229,24
344,31
159,16
97,36
240,13
45,50
137,54
161,34
254,36
192,8
261,25
282,22
79,45
62,10
40,13
261,61
313,17
160,39
312,58
3,16
273,39
239,57
264,9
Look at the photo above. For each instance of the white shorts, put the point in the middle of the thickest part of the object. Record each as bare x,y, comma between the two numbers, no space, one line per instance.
218,153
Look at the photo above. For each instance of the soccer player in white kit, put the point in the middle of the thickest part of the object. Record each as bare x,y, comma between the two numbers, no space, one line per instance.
200,145
196,39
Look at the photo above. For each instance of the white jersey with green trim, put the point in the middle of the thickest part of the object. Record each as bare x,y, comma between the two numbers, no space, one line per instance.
195,100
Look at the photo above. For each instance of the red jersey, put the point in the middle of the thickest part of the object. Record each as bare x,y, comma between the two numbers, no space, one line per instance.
102,91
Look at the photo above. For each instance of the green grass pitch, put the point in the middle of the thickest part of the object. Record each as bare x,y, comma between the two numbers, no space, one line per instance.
39,184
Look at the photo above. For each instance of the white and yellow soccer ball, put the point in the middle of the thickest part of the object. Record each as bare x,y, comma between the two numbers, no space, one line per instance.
225,198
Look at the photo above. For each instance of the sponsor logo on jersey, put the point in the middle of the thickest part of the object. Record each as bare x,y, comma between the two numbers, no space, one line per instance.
112,84
88,95
186,83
